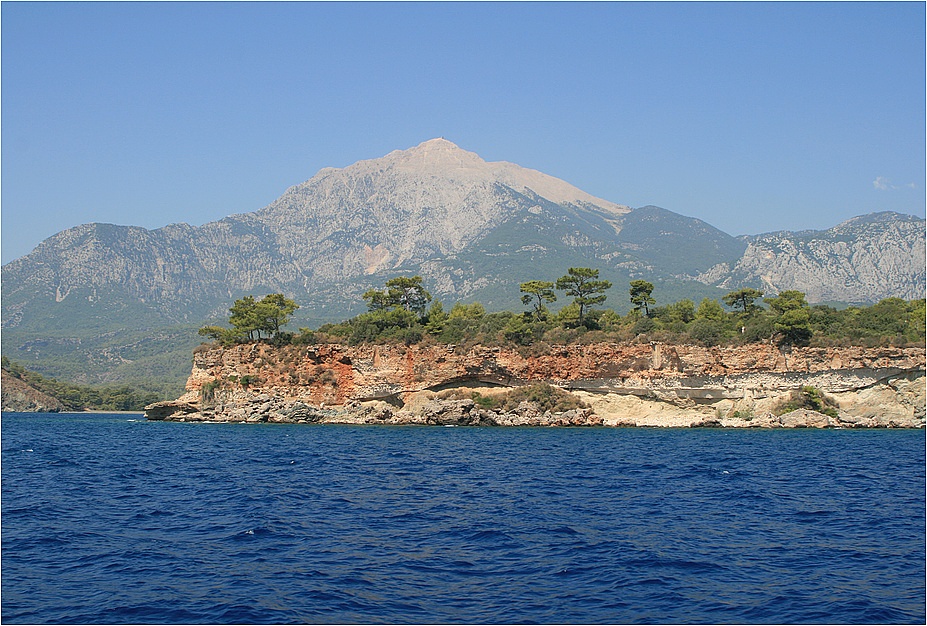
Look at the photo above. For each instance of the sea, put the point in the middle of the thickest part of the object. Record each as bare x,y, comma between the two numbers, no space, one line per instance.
109,518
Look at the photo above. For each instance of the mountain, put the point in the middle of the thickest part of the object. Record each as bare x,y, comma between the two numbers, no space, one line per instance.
101,303
375,216
864,259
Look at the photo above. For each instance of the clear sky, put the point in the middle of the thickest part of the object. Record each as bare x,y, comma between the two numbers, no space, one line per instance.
751,116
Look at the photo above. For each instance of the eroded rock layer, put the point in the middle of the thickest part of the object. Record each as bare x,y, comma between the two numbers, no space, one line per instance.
617,385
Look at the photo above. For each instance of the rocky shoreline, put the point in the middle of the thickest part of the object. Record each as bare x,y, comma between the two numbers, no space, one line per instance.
649,385
264,409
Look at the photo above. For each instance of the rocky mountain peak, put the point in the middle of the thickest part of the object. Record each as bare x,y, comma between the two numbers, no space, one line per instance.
435,154
433,159
439,163
408,206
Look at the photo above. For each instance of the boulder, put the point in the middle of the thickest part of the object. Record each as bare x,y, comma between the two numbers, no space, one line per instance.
301,412
454,412
804,418
170,410
707,423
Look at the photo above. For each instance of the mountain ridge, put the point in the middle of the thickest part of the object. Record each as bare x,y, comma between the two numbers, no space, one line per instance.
855,261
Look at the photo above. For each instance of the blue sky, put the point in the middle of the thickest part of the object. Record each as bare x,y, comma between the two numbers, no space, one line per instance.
751,116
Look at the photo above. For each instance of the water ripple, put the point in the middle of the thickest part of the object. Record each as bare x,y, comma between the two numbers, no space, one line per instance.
110,521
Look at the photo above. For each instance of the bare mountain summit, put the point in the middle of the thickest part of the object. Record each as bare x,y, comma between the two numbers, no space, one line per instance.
411,205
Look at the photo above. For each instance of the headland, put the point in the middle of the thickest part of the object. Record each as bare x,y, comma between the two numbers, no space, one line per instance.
648,384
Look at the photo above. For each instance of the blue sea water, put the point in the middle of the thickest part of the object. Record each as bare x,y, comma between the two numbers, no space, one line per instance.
113,519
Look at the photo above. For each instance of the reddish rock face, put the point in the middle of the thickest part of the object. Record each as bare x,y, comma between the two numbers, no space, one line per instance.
754,386
335,374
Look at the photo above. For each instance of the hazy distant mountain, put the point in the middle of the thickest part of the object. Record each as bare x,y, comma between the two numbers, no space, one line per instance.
864,259
101,303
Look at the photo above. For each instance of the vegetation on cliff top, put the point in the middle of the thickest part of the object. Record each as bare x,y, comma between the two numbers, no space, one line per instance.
250,318
406,313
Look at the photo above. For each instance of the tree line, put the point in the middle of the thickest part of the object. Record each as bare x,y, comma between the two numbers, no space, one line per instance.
404,311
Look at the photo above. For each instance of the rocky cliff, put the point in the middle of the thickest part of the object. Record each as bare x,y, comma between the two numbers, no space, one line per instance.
616,385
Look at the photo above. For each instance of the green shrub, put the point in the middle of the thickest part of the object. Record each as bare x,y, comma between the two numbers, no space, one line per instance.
644,325
545,396
249,379
807,397
706,331
208,390
484,402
